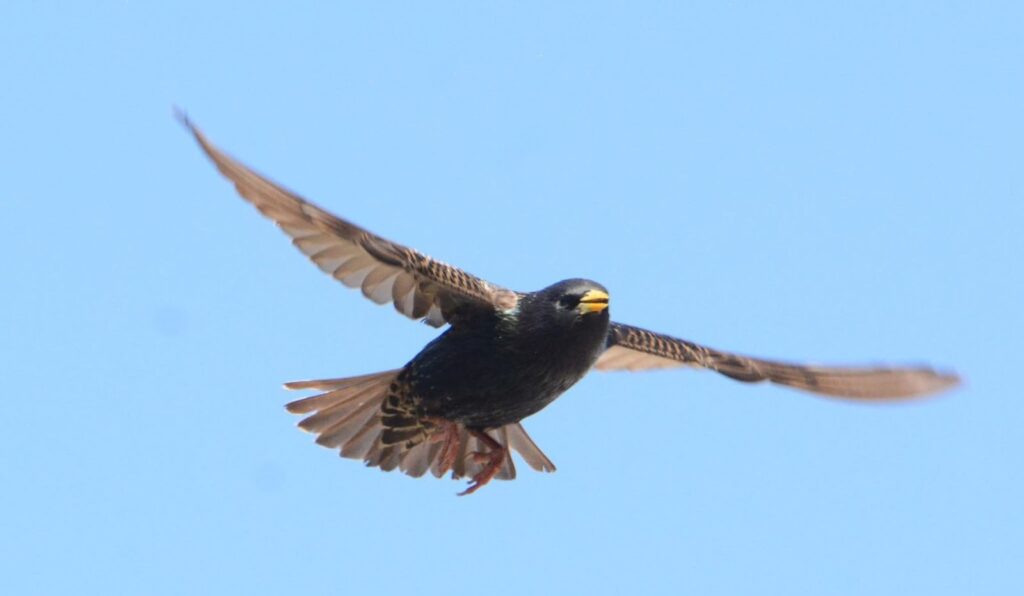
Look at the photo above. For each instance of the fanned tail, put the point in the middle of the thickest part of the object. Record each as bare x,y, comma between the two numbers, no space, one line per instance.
347,416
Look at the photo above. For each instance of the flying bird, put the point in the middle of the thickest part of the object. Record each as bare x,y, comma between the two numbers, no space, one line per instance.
458,404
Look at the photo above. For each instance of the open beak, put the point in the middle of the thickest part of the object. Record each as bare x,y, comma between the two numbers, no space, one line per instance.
593,301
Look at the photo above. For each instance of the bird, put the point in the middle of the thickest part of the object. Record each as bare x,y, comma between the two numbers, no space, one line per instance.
457,406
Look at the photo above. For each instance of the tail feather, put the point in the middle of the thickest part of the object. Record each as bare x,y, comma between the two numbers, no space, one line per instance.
385,457
359,446
327,417
337,390
508,470
339,383
348,416
416,461
524,445
346,429
434,459
461,465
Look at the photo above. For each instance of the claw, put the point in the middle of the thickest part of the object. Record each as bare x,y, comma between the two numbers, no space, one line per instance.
493,460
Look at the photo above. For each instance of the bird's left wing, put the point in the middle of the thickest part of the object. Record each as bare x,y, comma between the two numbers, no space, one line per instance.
633,348
419,286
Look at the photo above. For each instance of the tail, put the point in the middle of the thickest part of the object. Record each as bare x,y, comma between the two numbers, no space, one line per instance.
347,416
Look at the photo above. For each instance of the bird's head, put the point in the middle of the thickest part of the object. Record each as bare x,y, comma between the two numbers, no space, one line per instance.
576,300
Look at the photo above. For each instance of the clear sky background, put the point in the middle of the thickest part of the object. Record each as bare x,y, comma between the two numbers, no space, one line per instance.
788,180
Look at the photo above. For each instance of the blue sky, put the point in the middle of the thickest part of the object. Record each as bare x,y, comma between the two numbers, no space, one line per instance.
824,183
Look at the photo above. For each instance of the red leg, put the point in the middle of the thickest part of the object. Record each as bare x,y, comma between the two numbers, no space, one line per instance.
493,459
449,438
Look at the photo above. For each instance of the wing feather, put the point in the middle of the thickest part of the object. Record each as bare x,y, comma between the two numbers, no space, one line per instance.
633,348
418,286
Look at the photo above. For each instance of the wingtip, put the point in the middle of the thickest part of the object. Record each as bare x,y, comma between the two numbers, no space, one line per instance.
922,383
182,117
946,380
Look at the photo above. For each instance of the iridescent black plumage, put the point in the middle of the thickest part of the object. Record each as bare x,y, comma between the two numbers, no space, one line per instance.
458,403
494,368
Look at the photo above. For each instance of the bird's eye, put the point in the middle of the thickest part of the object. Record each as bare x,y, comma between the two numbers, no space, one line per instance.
569,302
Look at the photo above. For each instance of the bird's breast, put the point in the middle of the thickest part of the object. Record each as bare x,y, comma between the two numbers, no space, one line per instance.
491,377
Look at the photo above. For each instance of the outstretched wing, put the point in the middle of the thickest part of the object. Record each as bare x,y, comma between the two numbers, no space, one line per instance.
419,286
633,348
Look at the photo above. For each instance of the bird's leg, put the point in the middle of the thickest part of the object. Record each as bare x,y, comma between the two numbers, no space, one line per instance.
493,459
448,436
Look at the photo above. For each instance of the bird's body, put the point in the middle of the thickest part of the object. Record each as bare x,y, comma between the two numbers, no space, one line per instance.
457,405
492,369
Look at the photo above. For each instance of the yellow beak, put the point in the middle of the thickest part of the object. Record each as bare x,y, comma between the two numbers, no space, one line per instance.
593,301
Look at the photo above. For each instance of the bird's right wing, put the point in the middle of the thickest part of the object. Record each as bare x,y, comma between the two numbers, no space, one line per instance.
633,348
419,286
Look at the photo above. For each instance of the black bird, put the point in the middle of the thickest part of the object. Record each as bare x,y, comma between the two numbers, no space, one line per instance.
457,405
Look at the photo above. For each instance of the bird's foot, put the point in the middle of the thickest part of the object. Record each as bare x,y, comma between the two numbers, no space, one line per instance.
491,459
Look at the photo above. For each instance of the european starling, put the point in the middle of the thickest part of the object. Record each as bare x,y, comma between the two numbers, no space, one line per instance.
457,405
